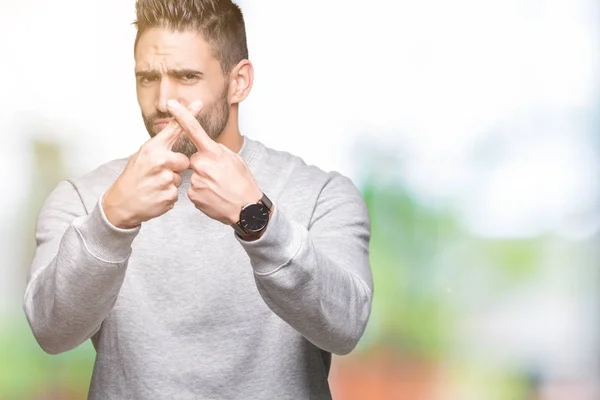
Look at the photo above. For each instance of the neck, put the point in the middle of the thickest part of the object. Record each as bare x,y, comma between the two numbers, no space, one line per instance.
231,137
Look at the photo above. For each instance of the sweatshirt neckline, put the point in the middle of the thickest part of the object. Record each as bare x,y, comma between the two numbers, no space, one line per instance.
247,152
248,149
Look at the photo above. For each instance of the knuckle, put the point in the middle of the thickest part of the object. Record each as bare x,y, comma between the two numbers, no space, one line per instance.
144,149
172,195
131,160
185,162
197,168
166,177
224,149
203,170
177,180
195,181
191,193
160,160
194,165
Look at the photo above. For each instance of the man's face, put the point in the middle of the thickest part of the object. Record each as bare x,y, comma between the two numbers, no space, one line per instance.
180,66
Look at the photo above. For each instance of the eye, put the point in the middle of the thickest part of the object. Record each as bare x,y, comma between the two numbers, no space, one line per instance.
189,78
148,79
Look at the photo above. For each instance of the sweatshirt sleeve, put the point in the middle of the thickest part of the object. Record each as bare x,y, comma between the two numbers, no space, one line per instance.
319,279
77,270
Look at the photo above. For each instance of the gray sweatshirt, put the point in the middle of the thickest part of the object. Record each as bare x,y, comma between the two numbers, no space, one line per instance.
181,308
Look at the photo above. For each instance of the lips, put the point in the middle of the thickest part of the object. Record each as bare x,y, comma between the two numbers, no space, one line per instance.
161,123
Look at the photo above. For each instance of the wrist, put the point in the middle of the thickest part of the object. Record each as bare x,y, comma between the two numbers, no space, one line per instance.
115,214
254,219
251,237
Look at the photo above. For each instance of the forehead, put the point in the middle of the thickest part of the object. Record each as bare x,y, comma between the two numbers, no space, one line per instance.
172,49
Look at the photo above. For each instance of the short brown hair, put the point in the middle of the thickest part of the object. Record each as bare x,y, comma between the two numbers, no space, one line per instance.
220,22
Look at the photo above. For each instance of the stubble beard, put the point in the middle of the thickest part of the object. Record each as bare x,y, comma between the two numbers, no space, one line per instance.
213,120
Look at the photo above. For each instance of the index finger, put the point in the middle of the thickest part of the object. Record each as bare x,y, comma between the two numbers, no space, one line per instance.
191,126
170,133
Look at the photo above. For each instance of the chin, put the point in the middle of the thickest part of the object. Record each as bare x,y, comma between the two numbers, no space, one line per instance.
184,146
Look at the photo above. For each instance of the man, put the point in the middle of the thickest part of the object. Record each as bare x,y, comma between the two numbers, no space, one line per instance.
205,266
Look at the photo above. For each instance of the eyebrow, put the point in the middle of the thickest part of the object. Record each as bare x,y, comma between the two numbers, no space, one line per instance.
172,72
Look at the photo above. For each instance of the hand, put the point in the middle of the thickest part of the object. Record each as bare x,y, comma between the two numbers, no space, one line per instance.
221,182
147,188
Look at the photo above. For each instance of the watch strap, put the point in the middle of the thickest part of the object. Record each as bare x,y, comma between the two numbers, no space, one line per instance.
266,201
239,230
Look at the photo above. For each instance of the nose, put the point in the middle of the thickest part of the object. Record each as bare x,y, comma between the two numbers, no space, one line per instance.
166,92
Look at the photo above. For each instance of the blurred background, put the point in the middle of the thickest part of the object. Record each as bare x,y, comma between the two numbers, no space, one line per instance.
471,127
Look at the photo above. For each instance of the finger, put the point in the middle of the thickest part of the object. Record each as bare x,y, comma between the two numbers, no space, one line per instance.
177,162
205,166
197,182
191,126
177,180
170,133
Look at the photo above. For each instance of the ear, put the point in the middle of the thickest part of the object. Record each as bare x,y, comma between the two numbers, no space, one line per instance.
240,83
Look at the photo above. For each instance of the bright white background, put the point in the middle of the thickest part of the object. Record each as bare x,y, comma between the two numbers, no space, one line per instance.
490,106
429,80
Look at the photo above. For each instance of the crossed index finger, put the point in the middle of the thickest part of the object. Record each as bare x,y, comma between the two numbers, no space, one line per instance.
170,133
191,126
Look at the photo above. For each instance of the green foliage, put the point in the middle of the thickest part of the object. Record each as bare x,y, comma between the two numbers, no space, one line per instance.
26,369
519,259
419,255
408,309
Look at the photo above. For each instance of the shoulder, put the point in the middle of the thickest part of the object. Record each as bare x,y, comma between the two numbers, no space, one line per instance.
279,164
303,185
103,175
76,196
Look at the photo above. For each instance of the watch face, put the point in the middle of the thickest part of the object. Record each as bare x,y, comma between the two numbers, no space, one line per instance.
254,217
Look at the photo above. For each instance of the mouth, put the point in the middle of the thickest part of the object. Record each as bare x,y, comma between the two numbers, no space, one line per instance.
160,124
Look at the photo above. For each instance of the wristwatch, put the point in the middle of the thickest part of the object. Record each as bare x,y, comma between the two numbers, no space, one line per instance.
254,218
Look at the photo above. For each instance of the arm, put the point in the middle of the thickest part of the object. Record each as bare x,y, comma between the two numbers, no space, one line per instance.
80,259
319,280
77,271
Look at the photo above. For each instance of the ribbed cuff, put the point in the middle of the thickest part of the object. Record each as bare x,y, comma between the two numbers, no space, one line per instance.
102,239
277,246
